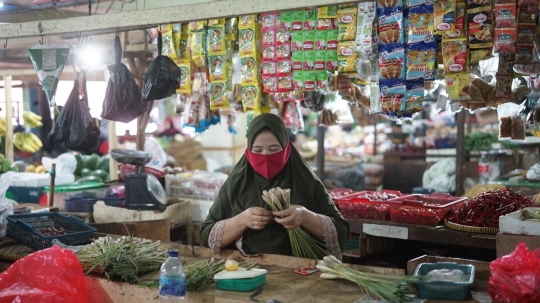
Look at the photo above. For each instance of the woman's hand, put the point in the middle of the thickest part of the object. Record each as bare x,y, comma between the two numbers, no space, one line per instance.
291,217
256,217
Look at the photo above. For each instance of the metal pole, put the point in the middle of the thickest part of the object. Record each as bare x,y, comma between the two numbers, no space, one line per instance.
320,151
460,153
9,119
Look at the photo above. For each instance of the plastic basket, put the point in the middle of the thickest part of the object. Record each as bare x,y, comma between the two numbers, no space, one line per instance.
337,193
76,205
192,188
444,290
22,228
423,209
357,205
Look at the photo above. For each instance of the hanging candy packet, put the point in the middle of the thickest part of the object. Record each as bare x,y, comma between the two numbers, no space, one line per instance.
415,96
268,68
325,24
285,21
392,95
458,28
527,13
216,38
283,51
322,79
420,24
505,16
296,95
390,25
185,76
421,61
309,60
198,49
310,80
415,3
247,42
283,37
247,21
269,85
332,36
284,83
248,69
374,98
444,15
476,55
297,61
320,57
283,67
218,67
524,54
268,53
327,11
297,20
298,81
346,57
310,20
526,33
268,37
367,7
331,60
196,26
392,61
347,24
309,40
267,21
454,53
297,41
169,46
320,40
480,27
505,39
251,97
218,96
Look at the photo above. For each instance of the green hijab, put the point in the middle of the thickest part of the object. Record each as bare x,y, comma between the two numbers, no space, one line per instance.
243,189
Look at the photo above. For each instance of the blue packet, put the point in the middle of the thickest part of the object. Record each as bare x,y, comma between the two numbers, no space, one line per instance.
419,24
392,95
415,96
392,61
421,59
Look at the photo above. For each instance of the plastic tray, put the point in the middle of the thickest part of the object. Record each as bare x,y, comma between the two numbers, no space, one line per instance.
423,209
82,205
444,290
337,193
248,284
22,228
358,206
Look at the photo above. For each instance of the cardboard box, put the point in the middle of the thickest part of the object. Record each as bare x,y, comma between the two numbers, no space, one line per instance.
507,243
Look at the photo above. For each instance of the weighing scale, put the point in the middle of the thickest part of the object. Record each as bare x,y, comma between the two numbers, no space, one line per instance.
143,190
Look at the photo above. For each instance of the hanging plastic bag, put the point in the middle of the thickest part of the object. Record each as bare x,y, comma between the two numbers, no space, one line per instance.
49,61
75,128
123,101
52,275
162,78
6,205
516,277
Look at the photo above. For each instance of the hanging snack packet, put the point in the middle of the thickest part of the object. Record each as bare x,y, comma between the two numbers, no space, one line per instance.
283,37
388,3
392,95
331,60
479,3
421,61
216,38
309,40
526,33
451,81
347,57
269,85
325,24
524,54
392,61
251,97
505,39
267,21
415,3
309,60
297,20
218,95
268,53
247,22
297,41
283,67
310,20
185,76
455,55
218,67
320,63
415,96
445,12
475,55
247,42
268,37
183,43
390,25
310,81
480,28
197,47
458,28
506,63
504,86
284,83
296,95
327,11
248,69
196,26
347,24
268,68
298,81
322,79
283,51
367,7
285,21
332,36
297,61
320,40
49,61
505,16
527,15
420,24
168,49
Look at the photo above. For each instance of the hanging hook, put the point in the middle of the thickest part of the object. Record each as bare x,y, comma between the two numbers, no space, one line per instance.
5,44
116,32
41,41
160,27
80,35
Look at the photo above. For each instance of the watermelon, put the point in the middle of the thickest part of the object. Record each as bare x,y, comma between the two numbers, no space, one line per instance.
103,163
91,161
85,172
80,161
89,179
103,175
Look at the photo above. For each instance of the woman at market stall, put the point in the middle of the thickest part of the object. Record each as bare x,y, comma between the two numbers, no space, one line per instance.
239,216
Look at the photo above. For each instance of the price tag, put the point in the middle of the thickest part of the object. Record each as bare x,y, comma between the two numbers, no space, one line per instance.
386,231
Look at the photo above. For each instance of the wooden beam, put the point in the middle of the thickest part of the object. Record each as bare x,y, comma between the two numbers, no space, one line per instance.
135,20
460,153
9,119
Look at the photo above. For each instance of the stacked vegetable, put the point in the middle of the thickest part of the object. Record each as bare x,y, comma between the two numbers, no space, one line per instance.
91,168
391,289
485,209
122,259
303,244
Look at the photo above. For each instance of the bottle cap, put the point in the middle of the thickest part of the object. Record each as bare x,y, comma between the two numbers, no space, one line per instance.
173,253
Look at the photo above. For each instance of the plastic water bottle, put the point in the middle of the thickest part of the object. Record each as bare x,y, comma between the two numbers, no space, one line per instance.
483,168
172,281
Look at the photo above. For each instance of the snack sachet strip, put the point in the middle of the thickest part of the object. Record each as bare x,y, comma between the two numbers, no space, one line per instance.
218,95
185,76
505,39
251,97
347,57
480,27
218,67
390,25
327,11
332,60
526,33
454,53
392,61
458,28
347,24
249,70
310,20
445,15
388,3
505,16
420,24
421,61
392,95
415,96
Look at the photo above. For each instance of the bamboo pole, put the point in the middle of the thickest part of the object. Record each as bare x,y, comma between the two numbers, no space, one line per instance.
113,144
9,119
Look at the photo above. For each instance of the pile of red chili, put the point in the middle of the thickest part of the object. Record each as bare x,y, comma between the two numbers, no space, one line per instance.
485,209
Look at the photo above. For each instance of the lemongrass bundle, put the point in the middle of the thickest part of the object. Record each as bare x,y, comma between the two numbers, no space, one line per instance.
303,244
531,214
387,288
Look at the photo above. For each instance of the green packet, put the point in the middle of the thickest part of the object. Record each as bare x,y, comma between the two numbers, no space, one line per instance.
310,80
49,61
320,60
309,60
297,61
297,20
309,40
298,80
331,60
297,41
322,79
285,21
310,20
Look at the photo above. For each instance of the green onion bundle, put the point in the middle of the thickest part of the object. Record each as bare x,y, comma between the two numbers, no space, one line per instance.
122,259
303,244
531,214
387,288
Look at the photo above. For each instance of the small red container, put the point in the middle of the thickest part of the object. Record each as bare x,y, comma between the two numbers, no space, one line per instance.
358,206
339,192
423,209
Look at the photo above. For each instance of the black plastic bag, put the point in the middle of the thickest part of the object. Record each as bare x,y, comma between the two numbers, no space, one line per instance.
162,78
123,100
75,129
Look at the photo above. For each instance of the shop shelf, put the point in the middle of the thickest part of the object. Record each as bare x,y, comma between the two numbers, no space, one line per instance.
357,205
23,229
423,209
444,290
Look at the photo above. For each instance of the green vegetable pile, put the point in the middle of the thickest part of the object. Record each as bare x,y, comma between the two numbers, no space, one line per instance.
91,168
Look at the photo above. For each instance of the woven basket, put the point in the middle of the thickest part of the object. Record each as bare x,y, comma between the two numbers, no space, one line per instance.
471,229
11,250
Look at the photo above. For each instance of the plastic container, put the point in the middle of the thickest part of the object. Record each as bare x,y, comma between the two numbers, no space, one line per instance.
76,205
339,192
357,205
172,281
82,190
444,290
26,194
423,209
22,228
130,169
248,284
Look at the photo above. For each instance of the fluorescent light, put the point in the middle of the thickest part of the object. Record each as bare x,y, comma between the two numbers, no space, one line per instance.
90,56
1,4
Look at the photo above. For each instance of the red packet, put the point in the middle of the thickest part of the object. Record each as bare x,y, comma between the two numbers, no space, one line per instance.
306,271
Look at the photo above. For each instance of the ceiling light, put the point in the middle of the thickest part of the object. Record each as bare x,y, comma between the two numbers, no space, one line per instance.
1,4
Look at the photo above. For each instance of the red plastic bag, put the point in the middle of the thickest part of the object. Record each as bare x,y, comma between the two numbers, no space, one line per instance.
515,278
53,275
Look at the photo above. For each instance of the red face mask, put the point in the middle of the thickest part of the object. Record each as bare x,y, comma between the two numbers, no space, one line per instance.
270,165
